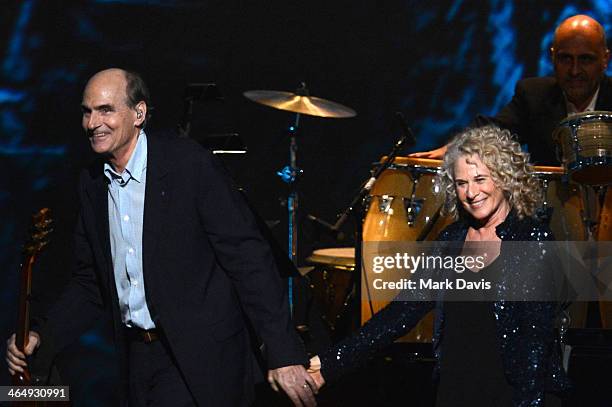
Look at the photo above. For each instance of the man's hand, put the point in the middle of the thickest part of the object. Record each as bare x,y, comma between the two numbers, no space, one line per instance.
436,154
296,383
15,359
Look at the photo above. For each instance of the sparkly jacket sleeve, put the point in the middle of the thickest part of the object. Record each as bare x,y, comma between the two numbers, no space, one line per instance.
392,322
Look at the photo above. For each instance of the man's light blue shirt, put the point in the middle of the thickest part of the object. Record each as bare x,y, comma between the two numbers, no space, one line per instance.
126,194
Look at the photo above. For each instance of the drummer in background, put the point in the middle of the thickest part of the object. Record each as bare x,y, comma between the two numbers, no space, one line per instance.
580,58
498,353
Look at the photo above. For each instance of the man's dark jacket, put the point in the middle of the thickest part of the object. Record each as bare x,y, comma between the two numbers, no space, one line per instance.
205,266
535,111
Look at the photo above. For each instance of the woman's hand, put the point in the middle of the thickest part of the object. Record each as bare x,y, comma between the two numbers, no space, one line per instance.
315,372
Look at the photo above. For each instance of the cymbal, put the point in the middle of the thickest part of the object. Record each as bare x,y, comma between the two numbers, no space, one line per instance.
292,102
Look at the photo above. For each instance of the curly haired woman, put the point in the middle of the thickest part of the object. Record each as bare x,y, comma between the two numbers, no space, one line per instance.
489,353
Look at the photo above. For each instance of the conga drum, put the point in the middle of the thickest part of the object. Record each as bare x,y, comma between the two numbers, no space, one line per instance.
604,233
563,210
404,205
585,141
562,204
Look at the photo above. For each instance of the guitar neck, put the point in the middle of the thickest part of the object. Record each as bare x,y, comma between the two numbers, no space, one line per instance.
41,227
23,314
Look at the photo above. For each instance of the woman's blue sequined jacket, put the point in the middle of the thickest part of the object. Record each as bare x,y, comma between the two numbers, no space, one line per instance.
525,330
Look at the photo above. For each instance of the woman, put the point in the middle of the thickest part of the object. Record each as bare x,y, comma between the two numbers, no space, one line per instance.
498,353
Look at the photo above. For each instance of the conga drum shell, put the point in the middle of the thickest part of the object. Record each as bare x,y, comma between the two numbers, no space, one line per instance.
563,205
604,233
404,205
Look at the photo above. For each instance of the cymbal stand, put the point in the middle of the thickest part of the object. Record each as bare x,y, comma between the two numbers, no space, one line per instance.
290,174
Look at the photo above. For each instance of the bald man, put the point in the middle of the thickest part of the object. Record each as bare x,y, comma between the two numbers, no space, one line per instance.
167,247
580,58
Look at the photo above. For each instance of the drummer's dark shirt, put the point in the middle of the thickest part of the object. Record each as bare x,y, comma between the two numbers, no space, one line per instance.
535,111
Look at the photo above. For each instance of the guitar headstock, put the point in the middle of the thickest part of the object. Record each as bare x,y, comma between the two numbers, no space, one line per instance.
39,233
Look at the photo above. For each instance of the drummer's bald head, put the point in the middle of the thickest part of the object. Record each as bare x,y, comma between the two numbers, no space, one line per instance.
580,59
580,25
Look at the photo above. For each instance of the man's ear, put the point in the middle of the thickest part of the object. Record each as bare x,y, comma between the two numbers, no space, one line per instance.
141,113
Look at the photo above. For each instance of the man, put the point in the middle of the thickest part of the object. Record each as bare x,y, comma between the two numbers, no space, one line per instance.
170,250
580,58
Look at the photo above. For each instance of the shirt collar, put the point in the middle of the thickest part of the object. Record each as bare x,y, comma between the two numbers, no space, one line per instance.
137,164
571,108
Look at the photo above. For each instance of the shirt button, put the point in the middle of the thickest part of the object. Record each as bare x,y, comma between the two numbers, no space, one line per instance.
131,251
135,282
126,218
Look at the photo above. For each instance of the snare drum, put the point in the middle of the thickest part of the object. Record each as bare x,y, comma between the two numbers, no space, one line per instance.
586,146
404,204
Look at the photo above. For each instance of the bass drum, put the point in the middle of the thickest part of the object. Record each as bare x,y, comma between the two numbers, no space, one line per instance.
404,205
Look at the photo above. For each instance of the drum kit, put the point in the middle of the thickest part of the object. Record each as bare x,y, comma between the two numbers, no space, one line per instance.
404,202
300,103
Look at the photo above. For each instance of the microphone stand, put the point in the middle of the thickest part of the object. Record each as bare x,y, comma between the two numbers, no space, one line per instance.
356,208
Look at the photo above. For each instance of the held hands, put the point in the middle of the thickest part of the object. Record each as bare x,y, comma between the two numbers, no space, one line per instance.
296,383
16,359
315,372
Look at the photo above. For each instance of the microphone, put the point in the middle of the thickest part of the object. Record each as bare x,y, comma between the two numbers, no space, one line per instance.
408,134
328,227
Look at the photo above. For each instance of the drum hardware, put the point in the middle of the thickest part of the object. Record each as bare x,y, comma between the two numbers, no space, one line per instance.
544,214
413,208
384,203
290,175
429,225
299,103
326,226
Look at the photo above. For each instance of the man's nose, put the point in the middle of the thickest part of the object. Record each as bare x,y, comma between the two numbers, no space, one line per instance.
92,121
575,68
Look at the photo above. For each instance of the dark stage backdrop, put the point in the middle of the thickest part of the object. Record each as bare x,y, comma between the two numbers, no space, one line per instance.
439,62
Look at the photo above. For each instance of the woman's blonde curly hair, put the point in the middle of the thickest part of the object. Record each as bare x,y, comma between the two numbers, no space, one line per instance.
509,166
